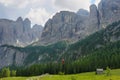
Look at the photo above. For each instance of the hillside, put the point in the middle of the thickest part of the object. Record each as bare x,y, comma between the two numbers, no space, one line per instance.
105,41
101,39
31,54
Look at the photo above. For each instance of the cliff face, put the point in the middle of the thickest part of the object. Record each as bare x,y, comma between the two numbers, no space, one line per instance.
109,11
64,25
93,21
71,26
19,32
75,26
10,56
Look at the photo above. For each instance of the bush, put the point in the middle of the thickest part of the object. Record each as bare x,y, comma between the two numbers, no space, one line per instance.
5,72
13,73
108,71
61,73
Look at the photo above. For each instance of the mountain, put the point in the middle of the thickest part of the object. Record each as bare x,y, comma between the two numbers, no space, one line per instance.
67,35
71,26
11,56
75,26
109,11
83,12
104,41
64,49
108,38
64,25
19,32
17,56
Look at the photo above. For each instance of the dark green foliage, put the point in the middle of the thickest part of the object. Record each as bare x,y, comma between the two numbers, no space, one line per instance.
101,58
108,71
85,46
61,73
95,41
50,52
13,73
38,69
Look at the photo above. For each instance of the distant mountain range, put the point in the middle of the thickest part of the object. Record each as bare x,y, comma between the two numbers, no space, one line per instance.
67,35
19,32
72,26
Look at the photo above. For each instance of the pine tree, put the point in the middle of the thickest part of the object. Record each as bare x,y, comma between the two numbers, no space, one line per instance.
13,73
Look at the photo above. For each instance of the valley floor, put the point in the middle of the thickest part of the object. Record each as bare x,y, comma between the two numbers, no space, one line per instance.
115,75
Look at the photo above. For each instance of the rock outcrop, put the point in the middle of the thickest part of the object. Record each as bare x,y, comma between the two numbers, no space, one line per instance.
83,12
93,21
10,56
76,26
64,25
109,11
71,26
19,32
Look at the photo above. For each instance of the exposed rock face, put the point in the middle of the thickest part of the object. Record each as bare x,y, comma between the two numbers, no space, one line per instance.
71,26
93,22
109,11
19,32
83,12
26,24
37,31
64,25
75,26
9,56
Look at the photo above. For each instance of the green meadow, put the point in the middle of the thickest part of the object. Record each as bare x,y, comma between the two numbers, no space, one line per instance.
114,75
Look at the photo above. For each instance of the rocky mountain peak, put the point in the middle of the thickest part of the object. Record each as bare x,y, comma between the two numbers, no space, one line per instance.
109,11
63,25
27,20
27,24
19,19
36,26
63,16
93,9
19,32
82,12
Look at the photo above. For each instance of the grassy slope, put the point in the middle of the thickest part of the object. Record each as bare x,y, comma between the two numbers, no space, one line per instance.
15,78
85,76
115,75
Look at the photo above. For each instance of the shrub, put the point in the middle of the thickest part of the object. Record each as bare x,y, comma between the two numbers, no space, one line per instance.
61,73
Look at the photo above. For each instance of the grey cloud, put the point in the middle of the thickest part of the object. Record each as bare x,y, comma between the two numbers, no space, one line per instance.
73,4
11,12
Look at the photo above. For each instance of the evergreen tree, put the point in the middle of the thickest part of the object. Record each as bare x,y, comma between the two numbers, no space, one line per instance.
108,71
13,73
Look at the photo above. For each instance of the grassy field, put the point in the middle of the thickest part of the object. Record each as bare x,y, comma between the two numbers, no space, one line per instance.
115,75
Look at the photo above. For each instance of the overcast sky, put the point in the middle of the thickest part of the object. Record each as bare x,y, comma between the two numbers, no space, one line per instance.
39,11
